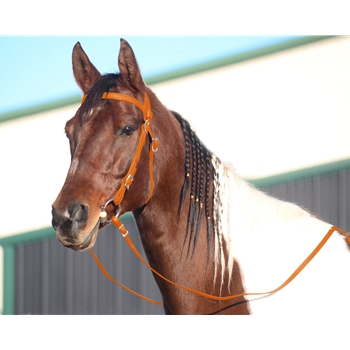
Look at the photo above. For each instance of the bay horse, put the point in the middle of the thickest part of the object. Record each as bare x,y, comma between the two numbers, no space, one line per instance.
200,224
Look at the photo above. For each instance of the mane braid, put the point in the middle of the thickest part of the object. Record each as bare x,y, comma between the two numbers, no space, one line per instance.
216,214
200,175
185,127
208,214
193,222
199,189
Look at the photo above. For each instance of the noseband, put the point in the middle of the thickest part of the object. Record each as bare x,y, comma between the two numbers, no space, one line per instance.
145,130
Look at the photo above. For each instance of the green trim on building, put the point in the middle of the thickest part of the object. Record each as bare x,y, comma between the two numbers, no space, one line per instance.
44,233
234,59
298,175
303,174
9,280
26,112
176,74
27,237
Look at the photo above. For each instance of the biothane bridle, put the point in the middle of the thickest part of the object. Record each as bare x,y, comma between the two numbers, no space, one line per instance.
129,177
126,183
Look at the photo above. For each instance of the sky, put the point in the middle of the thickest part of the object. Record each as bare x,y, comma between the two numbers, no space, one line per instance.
38,69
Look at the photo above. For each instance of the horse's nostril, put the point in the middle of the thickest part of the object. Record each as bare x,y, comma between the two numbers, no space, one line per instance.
76,215
54,224
56,219
79,213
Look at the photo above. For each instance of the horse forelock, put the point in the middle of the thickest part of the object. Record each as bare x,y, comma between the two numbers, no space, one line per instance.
94,96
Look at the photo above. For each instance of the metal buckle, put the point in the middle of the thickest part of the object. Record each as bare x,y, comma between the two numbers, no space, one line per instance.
145,125
127,180
126,231
154,150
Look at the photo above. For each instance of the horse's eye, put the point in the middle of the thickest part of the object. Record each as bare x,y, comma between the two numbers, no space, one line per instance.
127,131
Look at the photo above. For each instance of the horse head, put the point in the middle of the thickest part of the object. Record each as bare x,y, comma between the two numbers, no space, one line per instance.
103,137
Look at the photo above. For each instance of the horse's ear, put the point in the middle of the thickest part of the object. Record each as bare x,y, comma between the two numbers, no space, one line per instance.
128,67
84,71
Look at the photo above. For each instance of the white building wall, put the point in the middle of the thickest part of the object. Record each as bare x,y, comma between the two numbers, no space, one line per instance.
275,114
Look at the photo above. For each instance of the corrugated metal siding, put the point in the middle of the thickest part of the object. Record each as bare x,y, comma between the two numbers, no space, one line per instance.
326,196
51,279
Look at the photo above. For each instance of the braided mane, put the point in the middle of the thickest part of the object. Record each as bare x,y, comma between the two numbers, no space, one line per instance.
202,180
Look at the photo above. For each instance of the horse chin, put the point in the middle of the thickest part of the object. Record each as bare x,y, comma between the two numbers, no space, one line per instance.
90,240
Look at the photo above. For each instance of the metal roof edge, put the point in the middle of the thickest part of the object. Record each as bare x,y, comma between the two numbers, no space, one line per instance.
235,58
28,111
176,74
302,174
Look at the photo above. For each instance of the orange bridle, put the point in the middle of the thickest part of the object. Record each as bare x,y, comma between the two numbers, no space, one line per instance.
127,181
145,130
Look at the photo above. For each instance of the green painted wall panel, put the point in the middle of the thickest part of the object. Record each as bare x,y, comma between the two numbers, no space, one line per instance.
9,280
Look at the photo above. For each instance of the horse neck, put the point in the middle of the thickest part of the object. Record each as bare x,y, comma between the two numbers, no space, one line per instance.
160,226
163,227
158,221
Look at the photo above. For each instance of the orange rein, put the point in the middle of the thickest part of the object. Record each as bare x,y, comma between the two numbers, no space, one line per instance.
124,232
127,181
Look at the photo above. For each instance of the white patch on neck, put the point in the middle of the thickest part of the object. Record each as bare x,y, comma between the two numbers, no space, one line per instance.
223,206
270,238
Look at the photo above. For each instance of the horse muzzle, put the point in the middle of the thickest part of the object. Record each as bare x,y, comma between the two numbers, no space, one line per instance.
74,227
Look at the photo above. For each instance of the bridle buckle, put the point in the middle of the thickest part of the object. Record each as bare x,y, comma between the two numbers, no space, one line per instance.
128,181
154,144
